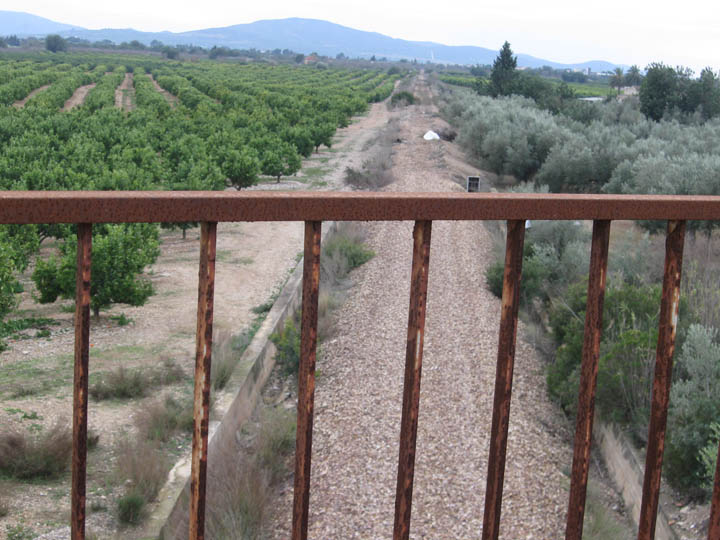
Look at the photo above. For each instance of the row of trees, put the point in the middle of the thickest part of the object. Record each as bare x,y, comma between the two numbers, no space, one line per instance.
664,91
231,125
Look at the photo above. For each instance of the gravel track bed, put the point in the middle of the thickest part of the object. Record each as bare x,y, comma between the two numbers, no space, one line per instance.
359,391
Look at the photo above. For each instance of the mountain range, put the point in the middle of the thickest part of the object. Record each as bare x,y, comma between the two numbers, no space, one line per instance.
297,34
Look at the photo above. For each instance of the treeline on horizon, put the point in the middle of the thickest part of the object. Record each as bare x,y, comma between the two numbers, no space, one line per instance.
56,43
665,140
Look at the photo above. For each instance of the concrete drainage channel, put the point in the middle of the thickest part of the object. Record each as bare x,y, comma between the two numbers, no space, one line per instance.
626,470
234,406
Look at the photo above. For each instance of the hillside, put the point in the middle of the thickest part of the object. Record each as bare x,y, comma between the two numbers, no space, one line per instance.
301,35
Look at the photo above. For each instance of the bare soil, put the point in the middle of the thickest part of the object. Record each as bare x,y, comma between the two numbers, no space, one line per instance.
78,97
20,104
125,94
172,100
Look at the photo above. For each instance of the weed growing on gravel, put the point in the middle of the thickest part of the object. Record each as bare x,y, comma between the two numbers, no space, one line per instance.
121,319
19,532
350,248
39,455
126,383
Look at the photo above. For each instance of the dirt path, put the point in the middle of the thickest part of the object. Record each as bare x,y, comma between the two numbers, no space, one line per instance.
125,94
359,393
20,104
172,100
78,97
252,259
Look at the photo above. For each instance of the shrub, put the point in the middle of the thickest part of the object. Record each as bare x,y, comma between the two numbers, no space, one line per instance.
627,350
403,98
694,407
708,457
42,455
287,343
353,251
131,508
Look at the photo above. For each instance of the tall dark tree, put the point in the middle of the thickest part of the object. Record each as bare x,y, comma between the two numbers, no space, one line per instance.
55,43
658,91
504,72
709,86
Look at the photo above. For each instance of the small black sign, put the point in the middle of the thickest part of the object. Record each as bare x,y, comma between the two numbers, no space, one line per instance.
473,184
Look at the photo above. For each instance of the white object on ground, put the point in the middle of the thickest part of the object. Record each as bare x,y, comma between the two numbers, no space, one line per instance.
431,136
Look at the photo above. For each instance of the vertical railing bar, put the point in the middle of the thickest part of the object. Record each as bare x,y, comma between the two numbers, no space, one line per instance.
201,399
80,381
413,371
306,379
503,378
588,378
714,526
669,308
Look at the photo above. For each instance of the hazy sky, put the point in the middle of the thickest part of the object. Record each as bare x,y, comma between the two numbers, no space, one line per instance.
627,31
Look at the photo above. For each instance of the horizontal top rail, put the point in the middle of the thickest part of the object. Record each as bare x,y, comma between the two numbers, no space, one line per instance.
25,207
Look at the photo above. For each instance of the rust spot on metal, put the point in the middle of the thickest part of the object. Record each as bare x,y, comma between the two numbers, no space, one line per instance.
663,378
177,206
413,372
201,399
80,381
588,379
503,378
306,379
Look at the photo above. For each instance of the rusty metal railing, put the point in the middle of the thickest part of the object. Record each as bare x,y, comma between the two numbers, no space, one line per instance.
86,208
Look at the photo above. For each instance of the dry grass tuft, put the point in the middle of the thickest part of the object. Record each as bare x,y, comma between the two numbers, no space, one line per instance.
162,419
135,383
142,467
239,498
376,170
224,359
42,455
